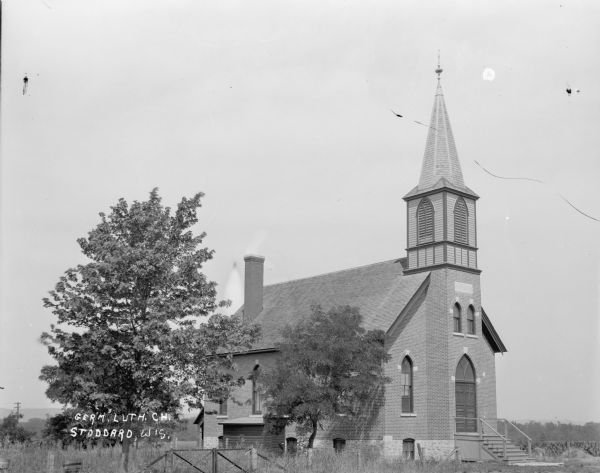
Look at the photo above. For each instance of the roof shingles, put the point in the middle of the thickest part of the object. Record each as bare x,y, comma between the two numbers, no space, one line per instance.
380,291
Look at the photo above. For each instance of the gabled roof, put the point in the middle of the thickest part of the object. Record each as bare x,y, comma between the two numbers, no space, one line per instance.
490,334
200,417
380,291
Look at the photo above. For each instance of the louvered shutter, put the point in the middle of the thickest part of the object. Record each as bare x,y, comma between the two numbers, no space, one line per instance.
461,220
425,221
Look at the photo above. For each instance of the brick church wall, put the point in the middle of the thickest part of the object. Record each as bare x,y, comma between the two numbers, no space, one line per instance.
474,346
427,336
408,338
239,403
367,427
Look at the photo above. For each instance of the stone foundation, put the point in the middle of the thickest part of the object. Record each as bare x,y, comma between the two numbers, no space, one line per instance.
352,445
211,442
431,449
436,449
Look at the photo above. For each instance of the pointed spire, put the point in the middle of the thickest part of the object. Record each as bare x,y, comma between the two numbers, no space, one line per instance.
441,159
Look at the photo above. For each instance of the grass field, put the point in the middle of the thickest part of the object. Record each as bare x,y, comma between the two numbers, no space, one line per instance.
34,459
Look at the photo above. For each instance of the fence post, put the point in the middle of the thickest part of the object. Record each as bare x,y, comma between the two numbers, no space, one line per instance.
529,447
358,459
214,460
50,463
310,455
254,458
172,461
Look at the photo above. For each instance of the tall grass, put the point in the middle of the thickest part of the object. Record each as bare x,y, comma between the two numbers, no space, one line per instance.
327,461
33,458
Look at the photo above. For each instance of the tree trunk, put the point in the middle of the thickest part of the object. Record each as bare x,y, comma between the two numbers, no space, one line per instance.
313,434
125,455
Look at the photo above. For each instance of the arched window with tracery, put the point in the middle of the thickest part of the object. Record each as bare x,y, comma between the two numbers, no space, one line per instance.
425,221
461,222
466,399
471,320
456,318
256,402
406,385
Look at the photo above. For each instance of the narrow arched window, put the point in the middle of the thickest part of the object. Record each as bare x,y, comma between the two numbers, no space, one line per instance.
461,222
223,407
406,385
291,445
256,403
456,316
425,221
471,320
466,398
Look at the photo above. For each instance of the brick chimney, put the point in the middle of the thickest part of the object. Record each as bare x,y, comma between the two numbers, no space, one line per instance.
253,286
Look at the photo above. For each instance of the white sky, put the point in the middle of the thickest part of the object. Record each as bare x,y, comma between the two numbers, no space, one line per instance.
279,112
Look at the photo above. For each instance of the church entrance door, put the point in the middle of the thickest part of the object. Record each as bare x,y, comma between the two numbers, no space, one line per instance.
466,398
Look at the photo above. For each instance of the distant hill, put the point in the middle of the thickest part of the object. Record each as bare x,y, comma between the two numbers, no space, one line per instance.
32,413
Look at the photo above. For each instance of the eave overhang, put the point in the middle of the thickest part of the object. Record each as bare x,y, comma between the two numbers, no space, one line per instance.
490,334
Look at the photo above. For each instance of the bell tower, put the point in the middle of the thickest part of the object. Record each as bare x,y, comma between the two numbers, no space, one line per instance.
441,216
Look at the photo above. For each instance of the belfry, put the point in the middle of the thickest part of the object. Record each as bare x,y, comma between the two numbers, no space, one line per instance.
442,228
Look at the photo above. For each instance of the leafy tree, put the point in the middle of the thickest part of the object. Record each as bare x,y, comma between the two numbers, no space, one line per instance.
329,365
11,431
128,338
34,425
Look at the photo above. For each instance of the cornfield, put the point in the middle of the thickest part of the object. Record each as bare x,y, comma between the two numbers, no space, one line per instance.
557,449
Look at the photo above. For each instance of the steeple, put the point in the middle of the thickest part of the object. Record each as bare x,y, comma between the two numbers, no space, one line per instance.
440,160
442,227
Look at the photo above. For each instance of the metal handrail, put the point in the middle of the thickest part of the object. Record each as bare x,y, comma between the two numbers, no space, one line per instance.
519,430
506,421
522,433
505,439
484,422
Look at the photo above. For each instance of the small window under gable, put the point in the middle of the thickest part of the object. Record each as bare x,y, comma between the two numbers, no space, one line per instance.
471,320
406,385
461,222
456,316
425,221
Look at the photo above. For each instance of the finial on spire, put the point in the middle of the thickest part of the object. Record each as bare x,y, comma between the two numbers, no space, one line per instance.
439,69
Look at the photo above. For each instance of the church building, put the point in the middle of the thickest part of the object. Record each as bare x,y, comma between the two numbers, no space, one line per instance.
442,344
